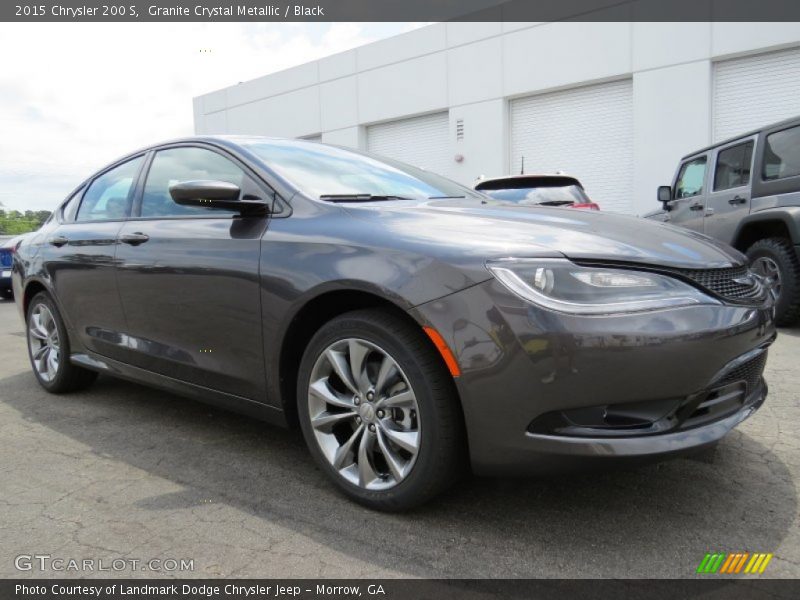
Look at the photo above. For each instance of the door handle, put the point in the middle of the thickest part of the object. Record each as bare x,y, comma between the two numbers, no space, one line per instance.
696,207
737,200
134,239
58,241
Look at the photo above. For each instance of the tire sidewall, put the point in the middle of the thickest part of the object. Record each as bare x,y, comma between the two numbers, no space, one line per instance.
415,484
63,341
789,283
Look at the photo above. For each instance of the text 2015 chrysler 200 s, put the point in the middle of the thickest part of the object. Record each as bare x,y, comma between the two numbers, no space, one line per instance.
410,325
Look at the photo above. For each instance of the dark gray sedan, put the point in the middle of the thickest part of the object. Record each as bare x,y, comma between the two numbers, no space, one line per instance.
412,327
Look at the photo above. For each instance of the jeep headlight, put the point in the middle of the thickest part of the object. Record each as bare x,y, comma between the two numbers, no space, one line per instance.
560,285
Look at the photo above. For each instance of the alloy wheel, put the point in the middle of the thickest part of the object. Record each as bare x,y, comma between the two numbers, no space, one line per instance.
768,269
44,342
364,414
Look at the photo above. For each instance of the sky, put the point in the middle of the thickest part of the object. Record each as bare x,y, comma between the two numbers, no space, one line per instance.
75,96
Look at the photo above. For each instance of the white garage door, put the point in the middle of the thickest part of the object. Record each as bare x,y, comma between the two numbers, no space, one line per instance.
754,91
419,141
585,132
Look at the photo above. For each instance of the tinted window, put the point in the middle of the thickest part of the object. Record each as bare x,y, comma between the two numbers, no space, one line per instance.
733,167
782,154
318,170
691,178
109,194
539,195
71,206
185,164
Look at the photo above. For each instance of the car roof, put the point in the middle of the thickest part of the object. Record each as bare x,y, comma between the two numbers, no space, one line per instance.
778,124
220,140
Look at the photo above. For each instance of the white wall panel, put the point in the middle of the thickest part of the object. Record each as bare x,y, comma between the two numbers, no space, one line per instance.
663,44
667,126
411,87
418,42
561,54
337,65
736,38
472,73
339,103
278,115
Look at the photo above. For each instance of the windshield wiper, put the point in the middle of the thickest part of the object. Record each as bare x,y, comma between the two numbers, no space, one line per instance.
444,197
359,197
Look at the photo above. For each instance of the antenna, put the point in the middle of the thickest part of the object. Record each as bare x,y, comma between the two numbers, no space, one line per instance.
522,168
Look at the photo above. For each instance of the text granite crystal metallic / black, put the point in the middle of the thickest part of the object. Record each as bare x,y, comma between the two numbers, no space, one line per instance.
412,327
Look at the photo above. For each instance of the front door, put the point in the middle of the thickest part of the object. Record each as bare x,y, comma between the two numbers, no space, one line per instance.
688,204
729,200
80,257
188,278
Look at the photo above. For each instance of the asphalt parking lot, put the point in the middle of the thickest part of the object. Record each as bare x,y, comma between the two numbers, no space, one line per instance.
123,471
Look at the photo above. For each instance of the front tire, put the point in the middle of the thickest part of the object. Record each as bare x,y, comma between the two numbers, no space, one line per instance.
48,349
379,410
776,260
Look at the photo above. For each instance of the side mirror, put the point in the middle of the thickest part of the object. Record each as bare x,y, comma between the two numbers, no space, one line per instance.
664,193
216,194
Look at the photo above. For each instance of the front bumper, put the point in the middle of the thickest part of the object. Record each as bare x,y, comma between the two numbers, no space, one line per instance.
543,391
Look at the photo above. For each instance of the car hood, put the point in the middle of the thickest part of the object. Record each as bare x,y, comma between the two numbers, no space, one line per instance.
472,227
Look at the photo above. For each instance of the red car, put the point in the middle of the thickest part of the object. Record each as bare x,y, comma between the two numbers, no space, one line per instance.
540,190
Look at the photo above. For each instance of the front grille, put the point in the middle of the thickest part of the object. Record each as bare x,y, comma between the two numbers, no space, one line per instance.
734,283
749,371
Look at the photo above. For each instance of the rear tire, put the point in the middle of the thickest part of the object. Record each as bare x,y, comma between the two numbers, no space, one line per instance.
778,255
48,349
415,404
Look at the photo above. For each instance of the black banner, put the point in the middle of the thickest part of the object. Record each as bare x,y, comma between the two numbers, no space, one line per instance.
712,588
399,10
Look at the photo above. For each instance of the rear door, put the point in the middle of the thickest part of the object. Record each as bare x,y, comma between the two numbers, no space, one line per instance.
729,199
79,256
189,277
688,203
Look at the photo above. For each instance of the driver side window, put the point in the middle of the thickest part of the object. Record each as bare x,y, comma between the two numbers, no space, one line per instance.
175,165
109,195
691,178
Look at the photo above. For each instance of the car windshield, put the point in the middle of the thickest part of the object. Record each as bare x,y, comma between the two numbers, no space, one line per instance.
540,195
336,174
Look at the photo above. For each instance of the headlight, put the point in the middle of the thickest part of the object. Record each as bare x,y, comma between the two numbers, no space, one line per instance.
566,287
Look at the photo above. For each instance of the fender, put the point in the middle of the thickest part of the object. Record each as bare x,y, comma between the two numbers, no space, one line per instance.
788,215
25,283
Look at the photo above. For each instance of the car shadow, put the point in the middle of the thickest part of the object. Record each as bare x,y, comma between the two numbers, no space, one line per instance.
652,521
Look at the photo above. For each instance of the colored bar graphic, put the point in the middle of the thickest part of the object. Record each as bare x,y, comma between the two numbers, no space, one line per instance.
741,562
734,562
731,560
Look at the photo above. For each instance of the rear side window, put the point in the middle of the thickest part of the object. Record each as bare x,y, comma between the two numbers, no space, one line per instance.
186,164
733,167
109,194
691,178
782,154
71,206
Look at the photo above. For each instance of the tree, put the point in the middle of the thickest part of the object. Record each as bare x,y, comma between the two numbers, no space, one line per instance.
13,222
